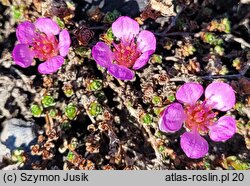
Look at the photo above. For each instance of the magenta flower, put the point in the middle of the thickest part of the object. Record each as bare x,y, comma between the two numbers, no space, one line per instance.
199,117
39,40
132,51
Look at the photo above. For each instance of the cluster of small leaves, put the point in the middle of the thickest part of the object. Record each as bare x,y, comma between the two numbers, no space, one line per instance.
108,37
222,25
147,119
156,100
186,50
47,103
237,63
211,38
232,162
48,106
68,90
71,111
156,58
36,110
19,156
17,12
95,109
171,98
95,85
110,17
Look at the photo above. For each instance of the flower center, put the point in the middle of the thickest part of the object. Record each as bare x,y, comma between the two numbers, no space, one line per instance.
199,117
45,47
126,53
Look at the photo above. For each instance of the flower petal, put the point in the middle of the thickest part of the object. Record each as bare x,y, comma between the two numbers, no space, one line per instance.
102,54
220,96
194,145
141,61
23,55
146,42
172,118
64,42
189,93
223,129
25,32
47,26
51,65
125,28
121,72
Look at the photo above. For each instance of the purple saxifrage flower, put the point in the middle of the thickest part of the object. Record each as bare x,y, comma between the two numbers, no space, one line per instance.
39,40
199,117
132,51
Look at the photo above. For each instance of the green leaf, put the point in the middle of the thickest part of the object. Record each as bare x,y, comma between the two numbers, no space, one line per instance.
156,58
70,156
68,92
238,165
71,111
161,148
95,109
83,52
156,100
60,22
17,12
36,110
65,126
110,17
212,39
157,111
147,119
110,34
226,23
53,113
17,156
48,101
171,98
219,50
95,85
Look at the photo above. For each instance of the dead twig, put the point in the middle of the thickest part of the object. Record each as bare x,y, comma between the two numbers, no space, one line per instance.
133,112
172,24
27,80
237,39
232,76
183,34
172,58
85,100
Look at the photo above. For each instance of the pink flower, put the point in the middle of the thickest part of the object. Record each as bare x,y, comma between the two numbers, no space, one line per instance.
39,40
199,117
132,51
